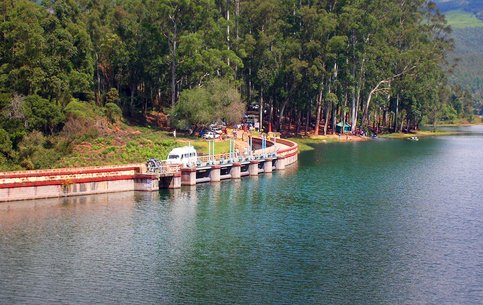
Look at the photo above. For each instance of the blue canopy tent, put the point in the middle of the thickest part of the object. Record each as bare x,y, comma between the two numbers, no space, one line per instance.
341,126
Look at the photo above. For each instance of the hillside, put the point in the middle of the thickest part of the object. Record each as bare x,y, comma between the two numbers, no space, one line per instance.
469,54
474,7
461,19
466,19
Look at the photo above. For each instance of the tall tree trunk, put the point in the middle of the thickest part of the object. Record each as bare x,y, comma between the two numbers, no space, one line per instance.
261,110
374,122
249,89
384,118
319,109
270,118
174,64
237,14
280,119
228,29
299,119
397,112
326,119
355,110
173,76
131,105
98,78
334,117
344,107
357,94
307,122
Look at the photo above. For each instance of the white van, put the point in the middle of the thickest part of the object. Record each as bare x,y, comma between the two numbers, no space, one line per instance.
185,155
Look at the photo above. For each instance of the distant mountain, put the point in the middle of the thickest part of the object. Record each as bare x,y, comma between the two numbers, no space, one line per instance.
473,6
466,19
469,55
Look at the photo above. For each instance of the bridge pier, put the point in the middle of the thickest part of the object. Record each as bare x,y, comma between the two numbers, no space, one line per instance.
146,182
235,171
267,166
170,182
215,173
253,168
280,164
188,176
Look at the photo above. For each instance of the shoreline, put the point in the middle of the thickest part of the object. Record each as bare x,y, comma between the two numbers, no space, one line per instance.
420,133
305,141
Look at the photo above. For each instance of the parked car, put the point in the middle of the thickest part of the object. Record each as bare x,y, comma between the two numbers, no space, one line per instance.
203,132
217,130
210,135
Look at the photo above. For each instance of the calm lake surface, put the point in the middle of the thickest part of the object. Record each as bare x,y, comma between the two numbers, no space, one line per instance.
381,222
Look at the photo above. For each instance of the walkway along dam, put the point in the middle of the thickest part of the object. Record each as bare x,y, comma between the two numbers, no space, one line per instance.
276,154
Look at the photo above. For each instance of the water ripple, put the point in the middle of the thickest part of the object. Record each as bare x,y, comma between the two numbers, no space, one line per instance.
388,222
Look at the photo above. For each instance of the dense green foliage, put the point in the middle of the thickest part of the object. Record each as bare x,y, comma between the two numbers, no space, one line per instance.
466,18
65,64
468,56
215,102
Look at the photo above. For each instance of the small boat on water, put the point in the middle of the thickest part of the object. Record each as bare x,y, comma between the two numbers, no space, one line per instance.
413,139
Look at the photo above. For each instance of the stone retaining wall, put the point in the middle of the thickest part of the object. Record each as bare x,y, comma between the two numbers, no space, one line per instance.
36,184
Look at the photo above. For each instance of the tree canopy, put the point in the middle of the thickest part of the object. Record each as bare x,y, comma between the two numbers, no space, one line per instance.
376,64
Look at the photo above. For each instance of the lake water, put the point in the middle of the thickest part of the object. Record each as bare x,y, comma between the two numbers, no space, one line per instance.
381,222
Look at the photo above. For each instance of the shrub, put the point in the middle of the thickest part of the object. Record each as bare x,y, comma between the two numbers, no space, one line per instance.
30,144
42,114
27,164
5,143
112,96
81,110
113,112
5,99
79,129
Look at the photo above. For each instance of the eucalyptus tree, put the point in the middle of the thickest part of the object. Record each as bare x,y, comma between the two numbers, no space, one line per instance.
358,24
318,27
46,52
261,45
413,41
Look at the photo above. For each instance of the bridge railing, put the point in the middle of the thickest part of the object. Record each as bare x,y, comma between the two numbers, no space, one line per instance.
166,168
271,151
291,150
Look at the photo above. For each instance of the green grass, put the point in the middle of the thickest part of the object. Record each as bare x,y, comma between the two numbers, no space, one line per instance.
121,145
135,147
425,133
474,120
307,143
461,19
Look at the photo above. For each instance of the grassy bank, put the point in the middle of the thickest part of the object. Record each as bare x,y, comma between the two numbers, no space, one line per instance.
306,143
420,133
137,146
121,144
